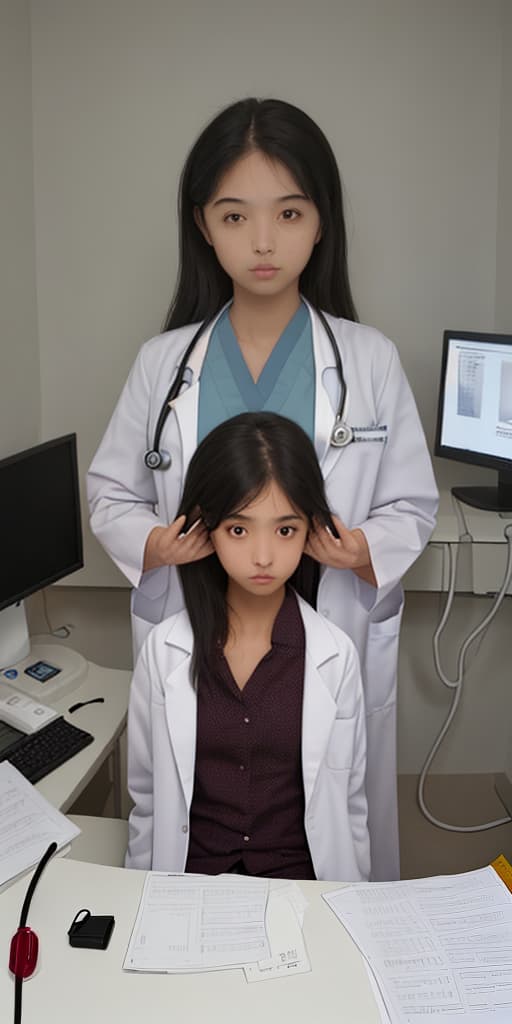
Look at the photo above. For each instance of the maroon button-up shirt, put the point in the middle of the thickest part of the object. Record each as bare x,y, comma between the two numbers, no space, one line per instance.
248,803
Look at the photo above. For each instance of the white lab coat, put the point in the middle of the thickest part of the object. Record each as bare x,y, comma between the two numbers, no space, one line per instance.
386,488
162,745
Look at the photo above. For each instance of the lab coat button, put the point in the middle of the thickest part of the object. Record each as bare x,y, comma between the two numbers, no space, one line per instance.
246,839
184,828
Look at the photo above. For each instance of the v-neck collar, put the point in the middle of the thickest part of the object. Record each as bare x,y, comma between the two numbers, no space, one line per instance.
257,393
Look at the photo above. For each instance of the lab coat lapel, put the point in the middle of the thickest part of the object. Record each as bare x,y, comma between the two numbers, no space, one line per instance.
186,405
181,705
325,413
186,409
319,706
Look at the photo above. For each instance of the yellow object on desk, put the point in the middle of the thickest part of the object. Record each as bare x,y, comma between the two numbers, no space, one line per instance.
504,870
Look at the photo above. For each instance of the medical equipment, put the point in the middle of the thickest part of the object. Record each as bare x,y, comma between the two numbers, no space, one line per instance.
341,434
25,944
474,420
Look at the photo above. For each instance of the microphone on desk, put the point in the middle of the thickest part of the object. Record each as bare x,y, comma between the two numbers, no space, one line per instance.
25,943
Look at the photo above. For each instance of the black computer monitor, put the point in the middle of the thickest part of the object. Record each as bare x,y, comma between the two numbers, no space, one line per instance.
474,421
40,535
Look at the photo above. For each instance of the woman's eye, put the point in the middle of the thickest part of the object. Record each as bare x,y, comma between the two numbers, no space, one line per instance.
237,531
290,214
286,531
233,218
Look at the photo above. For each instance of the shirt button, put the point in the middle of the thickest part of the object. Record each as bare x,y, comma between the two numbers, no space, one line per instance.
184,828
246,839
242,767
246,719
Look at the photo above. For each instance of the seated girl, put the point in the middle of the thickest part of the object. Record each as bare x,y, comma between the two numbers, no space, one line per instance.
246,729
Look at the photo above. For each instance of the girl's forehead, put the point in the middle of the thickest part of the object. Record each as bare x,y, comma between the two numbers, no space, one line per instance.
270,503
254,176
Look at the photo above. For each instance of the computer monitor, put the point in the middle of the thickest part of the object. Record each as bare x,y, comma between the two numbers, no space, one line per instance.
40,535
474,421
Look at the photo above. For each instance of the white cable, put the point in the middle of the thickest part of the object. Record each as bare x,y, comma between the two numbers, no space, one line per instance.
61,632
464,533
456,684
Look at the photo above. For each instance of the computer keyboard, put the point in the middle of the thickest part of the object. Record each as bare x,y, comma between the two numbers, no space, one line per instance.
38,754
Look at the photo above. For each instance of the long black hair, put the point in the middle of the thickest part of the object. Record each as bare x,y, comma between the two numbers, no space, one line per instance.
229,469
286,134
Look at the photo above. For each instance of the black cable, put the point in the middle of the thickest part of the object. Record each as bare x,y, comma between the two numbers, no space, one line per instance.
34,880
18,982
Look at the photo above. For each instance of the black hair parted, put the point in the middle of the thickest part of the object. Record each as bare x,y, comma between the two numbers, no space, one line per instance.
233,465
286,134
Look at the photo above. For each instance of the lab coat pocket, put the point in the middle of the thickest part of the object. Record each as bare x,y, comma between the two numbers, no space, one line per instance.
380,666
340,749
150,597
154,583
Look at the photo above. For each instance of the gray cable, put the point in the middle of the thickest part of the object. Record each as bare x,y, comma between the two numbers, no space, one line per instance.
456,685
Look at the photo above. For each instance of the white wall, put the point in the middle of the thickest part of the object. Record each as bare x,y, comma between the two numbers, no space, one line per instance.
20,400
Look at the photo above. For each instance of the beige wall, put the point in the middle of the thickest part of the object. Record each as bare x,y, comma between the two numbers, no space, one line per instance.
504,223
20,398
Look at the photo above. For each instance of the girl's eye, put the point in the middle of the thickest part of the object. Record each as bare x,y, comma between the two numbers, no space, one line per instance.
290,214
233,218
286,531
237,531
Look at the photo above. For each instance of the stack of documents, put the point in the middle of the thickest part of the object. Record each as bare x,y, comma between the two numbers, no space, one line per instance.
28,824
206,923
436,947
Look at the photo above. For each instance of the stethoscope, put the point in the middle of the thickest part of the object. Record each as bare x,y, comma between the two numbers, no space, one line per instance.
341,434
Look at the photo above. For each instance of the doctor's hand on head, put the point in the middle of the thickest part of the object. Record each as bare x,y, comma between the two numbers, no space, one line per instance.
349,550
169,545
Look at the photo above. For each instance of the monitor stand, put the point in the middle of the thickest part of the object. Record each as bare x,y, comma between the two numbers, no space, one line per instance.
493,499
14,638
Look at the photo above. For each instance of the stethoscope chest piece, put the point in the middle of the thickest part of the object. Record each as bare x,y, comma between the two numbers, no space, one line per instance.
154,459
341,435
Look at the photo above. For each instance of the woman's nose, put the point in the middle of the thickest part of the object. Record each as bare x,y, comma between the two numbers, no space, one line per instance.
263,249
263,238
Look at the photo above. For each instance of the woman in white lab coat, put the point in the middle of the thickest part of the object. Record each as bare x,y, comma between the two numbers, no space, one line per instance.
263,252
251,680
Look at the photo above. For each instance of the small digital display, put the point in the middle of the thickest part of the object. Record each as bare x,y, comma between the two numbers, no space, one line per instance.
42,671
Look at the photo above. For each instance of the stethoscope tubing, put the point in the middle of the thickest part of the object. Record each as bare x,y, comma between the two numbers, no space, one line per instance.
341,434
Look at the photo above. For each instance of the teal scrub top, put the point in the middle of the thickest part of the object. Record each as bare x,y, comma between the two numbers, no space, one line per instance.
286,384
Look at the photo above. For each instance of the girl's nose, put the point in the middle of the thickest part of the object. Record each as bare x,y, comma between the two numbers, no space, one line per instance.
262,555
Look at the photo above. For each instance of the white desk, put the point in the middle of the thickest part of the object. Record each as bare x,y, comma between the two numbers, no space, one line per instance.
84,985
105,721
